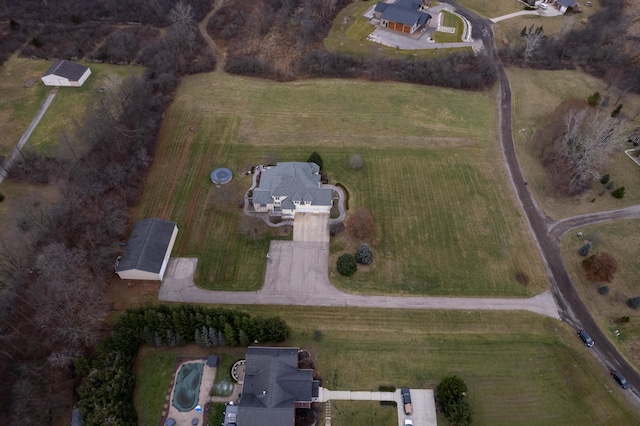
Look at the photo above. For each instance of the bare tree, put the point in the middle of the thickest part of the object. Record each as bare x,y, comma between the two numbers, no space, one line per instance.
533,36
184,24
587,142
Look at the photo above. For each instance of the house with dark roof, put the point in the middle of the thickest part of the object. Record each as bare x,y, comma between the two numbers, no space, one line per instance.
287,188
66,73
274,387
566,5
406,16
148,250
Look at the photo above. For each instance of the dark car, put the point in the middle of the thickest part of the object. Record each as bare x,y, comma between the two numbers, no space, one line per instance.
586,338
620,379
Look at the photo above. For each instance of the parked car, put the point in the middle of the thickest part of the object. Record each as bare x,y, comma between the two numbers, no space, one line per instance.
542,6
408,422
586,338
620,379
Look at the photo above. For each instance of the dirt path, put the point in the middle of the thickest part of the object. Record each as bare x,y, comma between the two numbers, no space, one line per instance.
220,59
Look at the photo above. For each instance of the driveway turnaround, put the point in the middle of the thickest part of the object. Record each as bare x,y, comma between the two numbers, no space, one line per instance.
297,275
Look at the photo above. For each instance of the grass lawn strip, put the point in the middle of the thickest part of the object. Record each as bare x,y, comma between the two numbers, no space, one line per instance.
620,239
535,95
492,9
430,180
452,21
520,368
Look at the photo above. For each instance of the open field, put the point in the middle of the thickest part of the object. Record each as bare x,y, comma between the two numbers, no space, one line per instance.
620,239
491,8
430,179
520,368
19,104
535,95
350,30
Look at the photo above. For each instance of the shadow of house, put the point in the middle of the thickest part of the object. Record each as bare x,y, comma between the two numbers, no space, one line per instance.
274,387
406,16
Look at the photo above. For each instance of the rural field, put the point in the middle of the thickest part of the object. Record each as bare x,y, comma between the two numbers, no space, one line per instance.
619,239
535,95
520,368
433,179
492,9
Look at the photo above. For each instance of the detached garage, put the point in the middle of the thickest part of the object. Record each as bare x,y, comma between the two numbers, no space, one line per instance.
66,73
148,250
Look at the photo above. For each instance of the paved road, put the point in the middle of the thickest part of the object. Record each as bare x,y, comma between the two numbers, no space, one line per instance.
25,137
558,228
573,310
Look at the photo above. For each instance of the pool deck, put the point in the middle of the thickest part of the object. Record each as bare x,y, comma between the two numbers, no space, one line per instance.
206,383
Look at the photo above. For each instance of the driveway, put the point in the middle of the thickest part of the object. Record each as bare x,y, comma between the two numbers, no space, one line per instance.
311,227
297,274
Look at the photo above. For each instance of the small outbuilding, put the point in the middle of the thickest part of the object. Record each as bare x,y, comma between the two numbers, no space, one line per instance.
66,73
148,250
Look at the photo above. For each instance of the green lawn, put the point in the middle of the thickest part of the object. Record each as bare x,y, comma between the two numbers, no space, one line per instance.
535,95
19,104
453,21
620,239
448,223
492,8
520,368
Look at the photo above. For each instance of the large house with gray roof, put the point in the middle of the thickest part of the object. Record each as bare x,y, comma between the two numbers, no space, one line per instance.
287,188
147,252
406,16
274,387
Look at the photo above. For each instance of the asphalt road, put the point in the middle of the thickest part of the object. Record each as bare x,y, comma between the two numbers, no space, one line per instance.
572,309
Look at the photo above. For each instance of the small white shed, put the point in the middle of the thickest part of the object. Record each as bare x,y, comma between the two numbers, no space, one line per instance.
148,250
66,73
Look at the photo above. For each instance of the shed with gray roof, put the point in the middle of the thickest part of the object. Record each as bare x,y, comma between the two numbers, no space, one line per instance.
148,250
66,73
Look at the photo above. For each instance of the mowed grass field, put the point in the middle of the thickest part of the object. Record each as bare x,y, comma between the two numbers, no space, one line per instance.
433,179
535,95
520,368
492,8
620,239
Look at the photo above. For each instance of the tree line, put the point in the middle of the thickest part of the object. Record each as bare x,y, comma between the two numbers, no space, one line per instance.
106,392
55,262
284,41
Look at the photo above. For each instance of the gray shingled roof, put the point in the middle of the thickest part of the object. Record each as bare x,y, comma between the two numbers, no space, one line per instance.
295,181
404,11
67,69
272,385
567,3
147,245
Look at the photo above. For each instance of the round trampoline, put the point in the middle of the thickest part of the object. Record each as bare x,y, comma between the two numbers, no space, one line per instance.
221,175
187,388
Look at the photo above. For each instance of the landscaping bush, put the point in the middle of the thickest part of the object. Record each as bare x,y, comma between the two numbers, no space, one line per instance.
346,265
603,290
633,302
604,179
360,224
618,193
623,320
585,249
1,197
451,395
610,184
594,99
386,388
317,335
600,267
364,255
